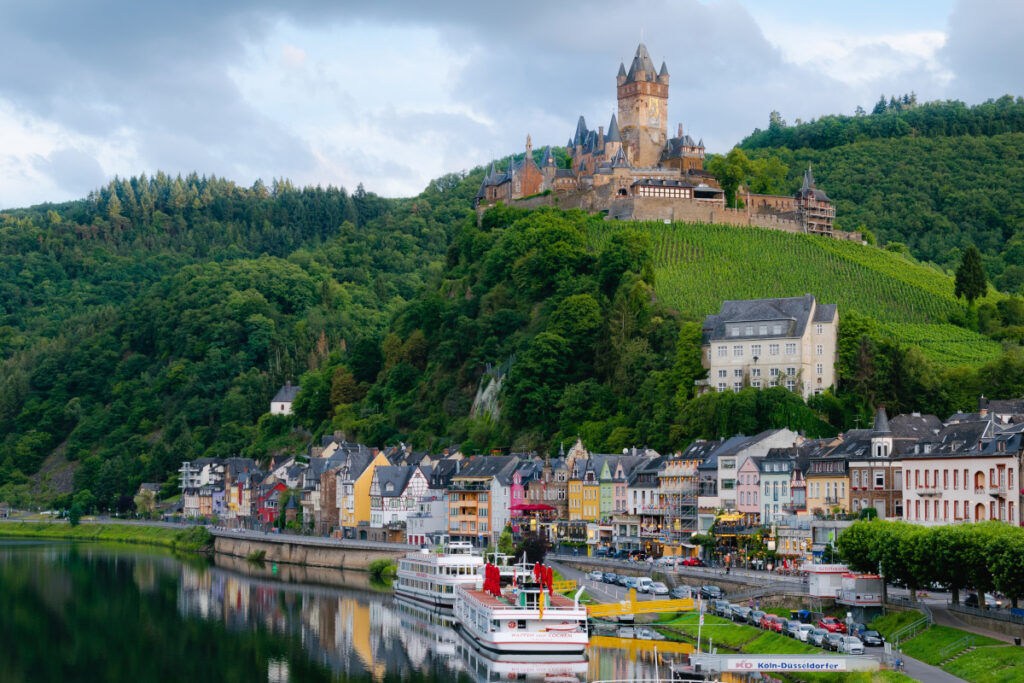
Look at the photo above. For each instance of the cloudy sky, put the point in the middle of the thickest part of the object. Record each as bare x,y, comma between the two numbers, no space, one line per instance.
393,94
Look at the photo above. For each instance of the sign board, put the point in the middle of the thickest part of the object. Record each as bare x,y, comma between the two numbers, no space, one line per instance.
783,663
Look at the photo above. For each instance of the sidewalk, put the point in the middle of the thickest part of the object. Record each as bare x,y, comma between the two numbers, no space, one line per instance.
946,617
920,671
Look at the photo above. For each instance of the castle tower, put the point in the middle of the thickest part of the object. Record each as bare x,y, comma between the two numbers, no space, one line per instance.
643,109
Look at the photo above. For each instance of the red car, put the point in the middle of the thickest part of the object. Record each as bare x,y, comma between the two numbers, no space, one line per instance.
772,622
779,625
692,562
832,625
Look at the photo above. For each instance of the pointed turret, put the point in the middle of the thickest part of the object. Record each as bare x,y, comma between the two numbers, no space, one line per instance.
581,132
881,422
613,131
620,161
808,179
701,143
663,74
642,68
547,158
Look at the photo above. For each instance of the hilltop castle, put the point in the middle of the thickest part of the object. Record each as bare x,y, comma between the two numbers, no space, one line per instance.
634,171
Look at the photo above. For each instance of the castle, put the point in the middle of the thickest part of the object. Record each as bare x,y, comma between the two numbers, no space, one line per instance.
634,171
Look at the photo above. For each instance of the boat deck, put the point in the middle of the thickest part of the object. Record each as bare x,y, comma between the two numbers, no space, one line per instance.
488,600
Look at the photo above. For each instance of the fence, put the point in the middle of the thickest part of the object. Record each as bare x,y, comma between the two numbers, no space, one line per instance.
1001,615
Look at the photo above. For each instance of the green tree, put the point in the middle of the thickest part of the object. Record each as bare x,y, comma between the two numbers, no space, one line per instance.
731,170
970,276
75,514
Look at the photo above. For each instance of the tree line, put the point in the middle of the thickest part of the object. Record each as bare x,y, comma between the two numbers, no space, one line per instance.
983,556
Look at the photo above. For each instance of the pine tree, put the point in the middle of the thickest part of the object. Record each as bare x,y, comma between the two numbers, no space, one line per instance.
970,276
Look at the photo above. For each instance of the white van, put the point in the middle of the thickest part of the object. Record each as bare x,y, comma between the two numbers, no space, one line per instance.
643,584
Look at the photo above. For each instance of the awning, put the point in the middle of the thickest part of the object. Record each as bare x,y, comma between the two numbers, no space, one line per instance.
731,517
535,507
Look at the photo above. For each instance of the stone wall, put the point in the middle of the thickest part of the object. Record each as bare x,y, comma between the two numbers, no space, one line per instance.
600,199
291,552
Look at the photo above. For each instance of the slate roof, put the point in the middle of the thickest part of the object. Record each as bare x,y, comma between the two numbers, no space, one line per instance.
1014,406
641,62
613,131
286,394
956,440
914,426
807,188
699,450
675,148
397,476
547,158
881,426
793,312
856,444
500,467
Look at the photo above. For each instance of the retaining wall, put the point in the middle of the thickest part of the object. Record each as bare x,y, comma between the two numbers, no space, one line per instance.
295,552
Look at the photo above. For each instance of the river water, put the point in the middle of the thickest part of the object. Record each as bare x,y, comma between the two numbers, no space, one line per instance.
92,612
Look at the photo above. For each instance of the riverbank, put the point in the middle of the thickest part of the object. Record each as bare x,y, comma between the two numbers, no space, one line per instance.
192,539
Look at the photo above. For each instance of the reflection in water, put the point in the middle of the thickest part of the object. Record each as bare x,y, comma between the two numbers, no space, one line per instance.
100,613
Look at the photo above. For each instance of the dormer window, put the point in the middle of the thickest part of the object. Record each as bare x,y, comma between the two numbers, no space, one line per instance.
389,487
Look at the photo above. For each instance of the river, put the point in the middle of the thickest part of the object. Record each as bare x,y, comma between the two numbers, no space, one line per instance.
74,612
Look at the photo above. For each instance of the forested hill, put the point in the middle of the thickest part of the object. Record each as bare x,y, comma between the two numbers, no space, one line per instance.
152,321
934,177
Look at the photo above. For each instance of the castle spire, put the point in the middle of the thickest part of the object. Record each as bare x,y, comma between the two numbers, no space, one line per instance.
613,131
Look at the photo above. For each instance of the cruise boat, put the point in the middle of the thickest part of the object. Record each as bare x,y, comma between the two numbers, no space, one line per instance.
430,578
525,616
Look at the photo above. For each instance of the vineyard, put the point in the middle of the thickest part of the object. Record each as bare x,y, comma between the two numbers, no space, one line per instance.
699,266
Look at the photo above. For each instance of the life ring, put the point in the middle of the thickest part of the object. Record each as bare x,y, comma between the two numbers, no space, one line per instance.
511,624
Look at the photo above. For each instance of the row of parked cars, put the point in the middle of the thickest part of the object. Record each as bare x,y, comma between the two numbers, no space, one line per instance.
643,584
829,633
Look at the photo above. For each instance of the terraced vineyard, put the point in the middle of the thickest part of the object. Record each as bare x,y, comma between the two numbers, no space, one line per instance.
698,266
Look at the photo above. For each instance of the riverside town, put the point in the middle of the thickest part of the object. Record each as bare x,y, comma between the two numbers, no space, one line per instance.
695,394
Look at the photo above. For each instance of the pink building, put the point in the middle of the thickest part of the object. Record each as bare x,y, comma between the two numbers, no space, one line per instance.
748,484
517,495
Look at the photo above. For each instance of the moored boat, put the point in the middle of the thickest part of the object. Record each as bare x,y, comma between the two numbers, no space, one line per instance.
432,578
525,617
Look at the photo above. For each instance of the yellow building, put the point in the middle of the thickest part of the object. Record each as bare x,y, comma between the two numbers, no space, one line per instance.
353,493
828,485
575,499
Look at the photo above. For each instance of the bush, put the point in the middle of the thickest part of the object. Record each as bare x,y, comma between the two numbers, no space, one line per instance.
383,569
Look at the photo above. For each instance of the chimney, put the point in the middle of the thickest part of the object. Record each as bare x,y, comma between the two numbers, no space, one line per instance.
982,404
680,134
600,137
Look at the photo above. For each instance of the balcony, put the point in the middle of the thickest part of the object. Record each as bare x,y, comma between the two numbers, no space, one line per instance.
653,510
929,491
997,490
469,486
833,500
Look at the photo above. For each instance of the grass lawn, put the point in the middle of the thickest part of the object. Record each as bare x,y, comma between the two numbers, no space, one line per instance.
894,621
928,645
720,631
990,665
190,538
858,677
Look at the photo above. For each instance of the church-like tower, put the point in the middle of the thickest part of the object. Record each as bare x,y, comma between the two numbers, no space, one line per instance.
643,109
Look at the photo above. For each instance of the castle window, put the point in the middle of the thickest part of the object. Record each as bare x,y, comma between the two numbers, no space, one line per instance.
773,372
819,328
749,330
755,372
776,328
756,384
791,349
820,368
723,373
791,372
723,351
755,349
721,386
762,330
820,350
738,372
737,350
734,331
773,349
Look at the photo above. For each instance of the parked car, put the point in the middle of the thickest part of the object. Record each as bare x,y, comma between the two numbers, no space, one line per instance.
832,625
720,607
596,575
643,584
793,628
832,641
851,645
648,633
630,582
804,633
626,632
872,638
681,593
779,624
609,577
692,562
817,637
755,616
658,588
622,578
711,592
739,612
991,601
